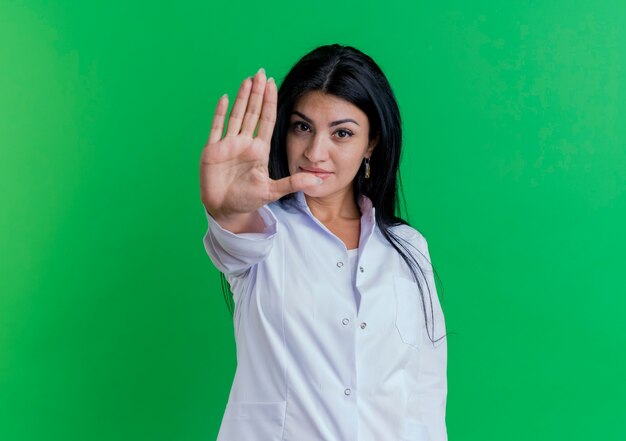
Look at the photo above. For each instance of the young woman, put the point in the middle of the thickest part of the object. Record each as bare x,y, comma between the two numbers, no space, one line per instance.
339,330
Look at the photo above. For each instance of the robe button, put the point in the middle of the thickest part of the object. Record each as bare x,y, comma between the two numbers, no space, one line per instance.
339,264
345,321
347,392
363,325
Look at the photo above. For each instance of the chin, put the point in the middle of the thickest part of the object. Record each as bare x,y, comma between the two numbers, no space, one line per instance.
326,189
316,192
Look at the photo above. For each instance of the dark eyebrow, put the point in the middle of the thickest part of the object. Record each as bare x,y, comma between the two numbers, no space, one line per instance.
334,123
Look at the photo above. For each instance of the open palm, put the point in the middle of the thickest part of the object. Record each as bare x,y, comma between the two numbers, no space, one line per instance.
234,176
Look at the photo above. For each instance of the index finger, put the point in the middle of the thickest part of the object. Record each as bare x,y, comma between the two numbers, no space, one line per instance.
268,111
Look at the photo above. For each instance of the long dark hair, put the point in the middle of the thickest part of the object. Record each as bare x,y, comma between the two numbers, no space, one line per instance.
348,73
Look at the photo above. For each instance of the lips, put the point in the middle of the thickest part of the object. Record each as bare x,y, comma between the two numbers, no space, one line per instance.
319,172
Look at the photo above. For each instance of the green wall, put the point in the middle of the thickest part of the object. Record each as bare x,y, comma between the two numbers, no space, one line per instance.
112,321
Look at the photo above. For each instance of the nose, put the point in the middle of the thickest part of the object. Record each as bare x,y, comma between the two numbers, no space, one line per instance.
316,150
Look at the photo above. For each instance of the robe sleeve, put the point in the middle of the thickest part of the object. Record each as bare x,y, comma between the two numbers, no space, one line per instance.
234,254
427,371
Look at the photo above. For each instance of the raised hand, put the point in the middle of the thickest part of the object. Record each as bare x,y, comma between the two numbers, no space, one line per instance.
234,178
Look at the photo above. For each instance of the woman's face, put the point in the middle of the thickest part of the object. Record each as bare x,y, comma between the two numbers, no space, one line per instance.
328,137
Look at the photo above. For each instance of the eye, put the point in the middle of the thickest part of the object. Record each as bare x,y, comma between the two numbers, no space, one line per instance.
343,133
300,126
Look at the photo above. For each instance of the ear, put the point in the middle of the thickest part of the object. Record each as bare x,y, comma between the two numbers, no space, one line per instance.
372,144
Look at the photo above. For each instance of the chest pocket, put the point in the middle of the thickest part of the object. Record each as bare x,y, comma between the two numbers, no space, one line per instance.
409,314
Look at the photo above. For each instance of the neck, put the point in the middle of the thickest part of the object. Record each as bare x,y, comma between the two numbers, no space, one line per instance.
334,207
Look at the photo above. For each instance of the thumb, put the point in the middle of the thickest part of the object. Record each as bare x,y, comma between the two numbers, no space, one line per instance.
293,183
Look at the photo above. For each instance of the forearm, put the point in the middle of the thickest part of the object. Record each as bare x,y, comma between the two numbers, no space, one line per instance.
240,222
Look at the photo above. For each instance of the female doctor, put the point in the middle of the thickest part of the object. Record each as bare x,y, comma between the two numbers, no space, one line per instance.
338,327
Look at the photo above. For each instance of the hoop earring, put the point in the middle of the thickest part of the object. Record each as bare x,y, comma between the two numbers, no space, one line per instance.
367,168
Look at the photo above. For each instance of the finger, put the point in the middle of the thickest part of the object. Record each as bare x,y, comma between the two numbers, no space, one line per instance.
217,127
268,112
291,184
239,108
254,104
